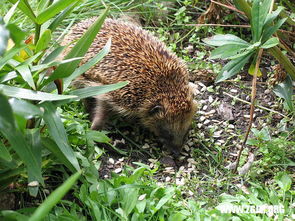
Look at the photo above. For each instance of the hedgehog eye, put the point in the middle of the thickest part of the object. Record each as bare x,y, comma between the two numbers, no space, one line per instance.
155,109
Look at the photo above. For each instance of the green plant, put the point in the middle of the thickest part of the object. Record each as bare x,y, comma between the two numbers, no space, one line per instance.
29,122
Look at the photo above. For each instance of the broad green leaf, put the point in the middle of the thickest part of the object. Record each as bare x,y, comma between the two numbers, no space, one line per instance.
24,6
24,108
4,153
228,39
52,147
16,34
96,90
11,91
272,16
251,71
9,54
226,51
4,36
42,211
258,15
284,182
270,43
129,201
56,22
93,61
58,133
10,13
34,142
26,74
17,140
232,68
53,9
169,193
43,41
285,90
269,31
80,49
13,215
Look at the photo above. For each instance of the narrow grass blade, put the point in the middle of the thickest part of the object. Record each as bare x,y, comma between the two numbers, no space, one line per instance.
52,146
56,22
80,49
52,10
42,211
58,133
11,91
25,7
82,69
26,74
4,153
10,13
9,54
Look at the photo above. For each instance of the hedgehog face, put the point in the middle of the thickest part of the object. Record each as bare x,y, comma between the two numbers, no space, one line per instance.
171,128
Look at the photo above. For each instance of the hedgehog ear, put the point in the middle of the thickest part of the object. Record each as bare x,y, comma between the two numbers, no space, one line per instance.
156,109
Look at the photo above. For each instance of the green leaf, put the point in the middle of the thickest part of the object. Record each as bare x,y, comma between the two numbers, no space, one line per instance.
42,211
58,133
4,36
24,109
272,16
25,7
169,193
80,49
270,43
53,148
228,39
93,61
226,51
269,31
258,15
9,54
284,181
56,22
26,74
4,153
52,10
232,68
96,90
10,13
8,76
285,90
17,141
54,54
16,34
43,41
11,91
13,215
34,142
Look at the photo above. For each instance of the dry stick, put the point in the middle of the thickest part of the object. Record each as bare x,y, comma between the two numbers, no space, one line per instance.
228,6
252,107
258,106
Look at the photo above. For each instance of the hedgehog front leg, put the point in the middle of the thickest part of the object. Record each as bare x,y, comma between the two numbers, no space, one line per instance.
99,115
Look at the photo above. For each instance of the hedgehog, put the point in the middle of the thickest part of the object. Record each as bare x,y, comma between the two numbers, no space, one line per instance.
158,95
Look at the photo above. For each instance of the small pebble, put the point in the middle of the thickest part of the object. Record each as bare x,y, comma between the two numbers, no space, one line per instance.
167,179
111,160
118,170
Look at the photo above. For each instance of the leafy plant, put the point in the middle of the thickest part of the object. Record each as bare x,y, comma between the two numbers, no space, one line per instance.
240,52
29,121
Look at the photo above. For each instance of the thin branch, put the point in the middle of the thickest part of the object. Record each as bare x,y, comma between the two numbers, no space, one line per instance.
219,25
228,6
252,107
258,106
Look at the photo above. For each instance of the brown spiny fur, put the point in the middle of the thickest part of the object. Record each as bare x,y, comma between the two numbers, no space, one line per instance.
158,93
